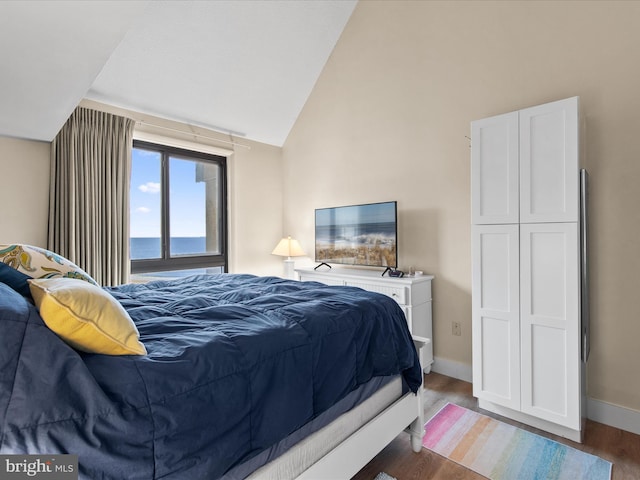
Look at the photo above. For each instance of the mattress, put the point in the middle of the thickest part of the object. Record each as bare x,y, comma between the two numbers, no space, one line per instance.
297,452
314,446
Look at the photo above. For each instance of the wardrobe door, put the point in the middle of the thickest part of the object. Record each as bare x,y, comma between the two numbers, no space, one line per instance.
549,162
495,314
550,322
494,170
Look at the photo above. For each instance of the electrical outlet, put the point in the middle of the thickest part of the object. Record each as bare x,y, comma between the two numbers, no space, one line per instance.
455,329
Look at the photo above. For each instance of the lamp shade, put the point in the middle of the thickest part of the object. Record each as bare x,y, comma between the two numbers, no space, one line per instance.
288,247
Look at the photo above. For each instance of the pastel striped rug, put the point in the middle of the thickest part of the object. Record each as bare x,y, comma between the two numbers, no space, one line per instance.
503,452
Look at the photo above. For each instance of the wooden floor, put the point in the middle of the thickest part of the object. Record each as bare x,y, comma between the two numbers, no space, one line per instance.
398,460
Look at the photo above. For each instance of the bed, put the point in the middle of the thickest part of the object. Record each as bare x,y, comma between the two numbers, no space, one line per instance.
243,377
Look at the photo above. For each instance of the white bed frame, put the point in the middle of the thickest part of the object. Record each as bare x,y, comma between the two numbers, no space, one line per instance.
348,458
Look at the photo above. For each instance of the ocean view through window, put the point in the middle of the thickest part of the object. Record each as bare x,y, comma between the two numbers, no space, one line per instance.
149,247
177,210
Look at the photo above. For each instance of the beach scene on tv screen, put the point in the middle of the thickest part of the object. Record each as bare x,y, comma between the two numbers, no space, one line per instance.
357,235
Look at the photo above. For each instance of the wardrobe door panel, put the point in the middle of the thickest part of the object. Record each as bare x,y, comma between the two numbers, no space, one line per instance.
494,170
549,180
496,331
550,322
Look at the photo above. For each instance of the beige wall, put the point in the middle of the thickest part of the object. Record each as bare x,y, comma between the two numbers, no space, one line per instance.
24,191
388,120
255,189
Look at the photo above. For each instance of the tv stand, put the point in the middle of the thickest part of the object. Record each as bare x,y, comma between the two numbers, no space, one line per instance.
319,265
413,294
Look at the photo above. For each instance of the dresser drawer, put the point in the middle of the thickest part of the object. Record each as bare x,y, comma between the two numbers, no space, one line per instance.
326,280
399,293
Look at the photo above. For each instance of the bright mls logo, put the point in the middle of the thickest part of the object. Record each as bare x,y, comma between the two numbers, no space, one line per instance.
51,467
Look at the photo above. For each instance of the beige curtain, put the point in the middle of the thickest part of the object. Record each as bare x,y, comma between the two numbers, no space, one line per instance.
89,194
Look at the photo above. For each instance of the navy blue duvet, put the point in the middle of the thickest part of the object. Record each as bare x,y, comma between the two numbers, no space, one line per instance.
235,363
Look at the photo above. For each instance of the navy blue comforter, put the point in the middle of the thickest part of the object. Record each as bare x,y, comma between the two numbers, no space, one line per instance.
235,363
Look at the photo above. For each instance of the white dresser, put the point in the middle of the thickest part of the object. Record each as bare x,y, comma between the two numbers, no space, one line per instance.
413,294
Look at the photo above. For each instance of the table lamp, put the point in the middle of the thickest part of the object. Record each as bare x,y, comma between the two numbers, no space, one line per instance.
288,247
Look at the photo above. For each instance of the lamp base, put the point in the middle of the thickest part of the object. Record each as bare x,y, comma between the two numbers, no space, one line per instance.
289,269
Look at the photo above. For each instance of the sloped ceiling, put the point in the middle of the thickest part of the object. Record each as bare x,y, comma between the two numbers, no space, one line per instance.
239,66
50,54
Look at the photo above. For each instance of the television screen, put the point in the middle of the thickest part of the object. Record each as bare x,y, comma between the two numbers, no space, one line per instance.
358,235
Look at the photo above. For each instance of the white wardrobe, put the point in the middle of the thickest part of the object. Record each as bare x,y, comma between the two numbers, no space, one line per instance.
526,267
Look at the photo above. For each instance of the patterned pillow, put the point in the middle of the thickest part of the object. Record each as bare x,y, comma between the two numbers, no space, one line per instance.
36,262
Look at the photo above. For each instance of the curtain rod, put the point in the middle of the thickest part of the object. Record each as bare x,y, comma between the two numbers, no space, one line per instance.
140,122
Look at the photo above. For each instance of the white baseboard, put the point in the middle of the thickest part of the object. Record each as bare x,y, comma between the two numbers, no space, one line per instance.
613,415
451,368
602,412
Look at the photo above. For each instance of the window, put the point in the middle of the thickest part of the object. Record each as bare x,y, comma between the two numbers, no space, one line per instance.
178,210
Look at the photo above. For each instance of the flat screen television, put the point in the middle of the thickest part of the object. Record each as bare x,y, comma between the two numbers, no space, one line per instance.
365,235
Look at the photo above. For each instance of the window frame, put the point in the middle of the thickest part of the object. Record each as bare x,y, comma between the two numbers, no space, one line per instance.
183,262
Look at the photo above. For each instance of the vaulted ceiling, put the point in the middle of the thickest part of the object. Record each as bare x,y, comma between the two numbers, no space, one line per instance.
240,66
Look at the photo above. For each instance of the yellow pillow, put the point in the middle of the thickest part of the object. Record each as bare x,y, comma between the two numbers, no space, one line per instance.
86,317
